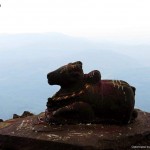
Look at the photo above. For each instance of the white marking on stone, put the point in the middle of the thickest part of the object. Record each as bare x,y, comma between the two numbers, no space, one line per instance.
54,137
78,134
88,124
66,97
125,96
54,112
21,125
129,128
113,81
87,86
33,128
119,81
57,98
65,138
81,134
80,92
73,95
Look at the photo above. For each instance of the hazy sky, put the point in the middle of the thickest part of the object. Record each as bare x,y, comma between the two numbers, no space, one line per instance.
87,18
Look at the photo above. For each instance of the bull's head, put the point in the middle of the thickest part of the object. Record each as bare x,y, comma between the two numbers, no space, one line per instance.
67,75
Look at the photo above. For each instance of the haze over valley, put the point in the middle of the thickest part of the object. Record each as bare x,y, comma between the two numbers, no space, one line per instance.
25,60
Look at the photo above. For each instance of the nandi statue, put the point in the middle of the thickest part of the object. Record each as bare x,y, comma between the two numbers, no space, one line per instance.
85,98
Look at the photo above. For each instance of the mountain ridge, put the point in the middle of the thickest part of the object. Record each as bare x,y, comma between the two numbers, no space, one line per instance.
25,62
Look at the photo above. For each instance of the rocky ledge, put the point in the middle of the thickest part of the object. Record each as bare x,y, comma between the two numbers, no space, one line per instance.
27,134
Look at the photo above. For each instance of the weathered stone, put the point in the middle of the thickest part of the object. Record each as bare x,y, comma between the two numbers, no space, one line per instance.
85,98
15,116
28,134
25,114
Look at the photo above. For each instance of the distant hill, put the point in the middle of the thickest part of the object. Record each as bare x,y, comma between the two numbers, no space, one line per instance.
25,60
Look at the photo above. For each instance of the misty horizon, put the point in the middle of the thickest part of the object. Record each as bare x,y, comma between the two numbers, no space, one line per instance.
27,58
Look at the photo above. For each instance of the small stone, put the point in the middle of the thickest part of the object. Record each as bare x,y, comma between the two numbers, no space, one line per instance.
15,116
26,113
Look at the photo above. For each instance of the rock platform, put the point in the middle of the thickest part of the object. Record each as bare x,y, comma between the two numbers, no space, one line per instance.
28,134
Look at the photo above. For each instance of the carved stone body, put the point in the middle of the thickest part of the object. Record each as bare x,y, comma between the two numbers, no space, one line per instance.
85,98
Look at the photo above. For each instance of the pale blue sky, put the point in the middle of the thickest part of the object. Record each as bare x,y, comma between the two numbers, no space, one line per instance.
83,18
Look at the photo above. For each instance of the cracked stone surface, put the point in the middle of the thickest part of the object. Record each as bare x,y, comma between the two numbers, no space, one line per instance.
27,134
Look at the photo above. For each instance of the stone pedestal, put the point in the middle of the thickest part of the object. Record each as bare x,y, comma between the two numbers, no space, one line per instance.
26,134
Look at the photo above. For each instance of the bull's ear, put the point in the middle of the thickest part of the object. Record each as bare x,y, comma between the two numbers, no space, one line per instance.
79,63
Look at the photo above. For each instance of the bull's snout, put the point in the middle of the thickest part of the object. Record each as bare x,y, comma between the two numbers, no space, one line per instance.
48,75
52,78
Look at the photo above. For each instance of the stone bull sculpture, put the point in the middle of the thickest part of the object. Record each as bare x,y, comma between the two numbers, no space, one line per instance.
85,98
